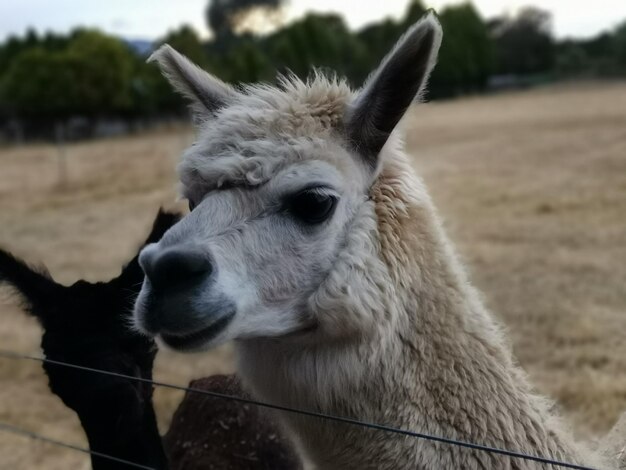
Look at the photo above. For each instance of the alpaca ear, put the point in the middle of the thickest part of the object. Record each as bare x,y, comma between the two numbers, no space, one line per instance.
206,93
162,223
390,90
132,274
38,291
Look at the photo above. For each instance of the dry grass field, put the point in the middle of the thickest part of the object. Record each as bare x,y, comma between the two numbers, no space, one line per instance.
532,186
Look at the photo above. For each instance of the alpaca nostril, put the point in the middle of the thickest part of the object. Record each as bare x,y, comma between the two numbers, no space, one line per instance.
175,267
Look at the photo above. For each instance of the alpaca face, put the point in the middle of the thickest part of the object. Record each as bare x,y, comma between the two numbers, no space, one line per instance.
257,250
276,182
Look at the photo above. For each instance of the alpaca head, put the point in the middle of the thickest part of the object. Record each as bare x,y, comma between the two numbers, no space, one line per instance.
88,324
277,181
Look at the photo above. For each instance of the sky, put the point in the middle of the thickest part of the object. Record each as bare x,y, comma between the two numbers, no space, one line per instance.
150,19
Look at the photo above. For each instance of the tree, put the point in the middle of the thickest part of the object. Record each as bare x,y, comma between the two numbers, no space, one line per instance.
318,40
91,77
246,62
224,16
414,11
378,39
37,85
103,72
571,59
524,43
620,46
466,56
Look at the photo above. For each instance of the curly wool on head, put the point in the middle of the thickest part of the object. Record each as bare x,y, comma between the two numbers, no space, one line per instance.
282,124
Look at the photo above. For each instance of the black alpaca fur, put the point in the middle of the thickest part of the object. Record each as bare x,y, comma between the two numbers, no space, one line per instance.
88,324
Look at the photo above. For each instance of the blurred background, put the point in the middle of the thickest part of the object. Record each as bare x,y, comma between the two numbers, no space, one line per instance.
522,142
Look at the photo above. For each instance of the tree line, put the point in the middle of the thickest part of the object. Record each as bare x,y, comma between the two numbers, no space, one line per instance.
51,78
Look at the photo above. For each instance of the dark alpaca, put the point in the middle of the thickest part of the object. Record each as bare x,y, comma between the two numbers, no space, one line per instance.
88,324
215,434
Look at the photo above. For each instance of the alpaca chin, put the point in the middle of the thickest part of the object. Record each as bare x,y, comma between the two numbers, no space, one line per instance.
200,340
185,321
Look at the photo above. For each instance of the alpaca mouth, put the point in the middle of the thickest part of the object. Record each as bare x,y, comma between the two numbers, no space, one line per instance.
198,338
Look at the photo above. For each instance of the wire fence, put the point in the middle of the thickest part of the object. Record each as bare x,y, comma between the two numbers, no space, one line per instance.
350,421
38,437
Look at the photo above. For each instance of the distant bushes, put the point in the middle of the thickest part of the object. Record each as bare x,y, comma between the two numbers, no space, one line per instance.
92,72
93,75
603,55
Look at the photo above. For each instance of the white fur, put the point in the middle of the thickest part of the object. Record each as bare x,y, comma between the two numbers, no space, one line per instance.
370,315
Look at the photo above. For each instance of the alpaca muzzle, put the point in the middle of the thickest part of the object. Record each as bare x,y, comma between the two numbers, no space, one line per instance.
178,301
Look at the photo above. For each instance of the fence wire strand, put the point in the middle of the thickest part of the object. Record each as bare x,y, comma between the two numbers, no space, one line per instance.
38,437
313,414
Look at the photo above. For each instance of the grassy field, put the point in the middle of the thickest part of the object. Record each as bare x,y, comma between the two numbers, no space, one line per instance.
532,186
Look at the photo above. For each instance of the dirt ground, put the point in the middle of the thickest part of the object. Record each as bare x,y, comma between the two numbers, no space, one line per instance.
532,186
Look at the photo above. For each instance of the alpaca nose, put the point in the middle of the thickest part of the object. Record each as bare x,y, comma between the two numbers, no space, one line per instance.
174,267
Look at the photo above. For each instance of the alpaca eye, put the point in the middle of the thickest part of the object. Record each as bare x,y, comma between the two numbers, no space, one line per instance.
192,205
311,206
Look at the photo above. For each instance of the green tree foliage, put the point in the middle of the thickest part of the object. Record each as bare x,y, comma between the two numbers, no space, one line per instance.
414,11
571,59
103,72
106,78
246,62
321,41
91,76
379,38
14,46
524,43
620,46
466,55
38,85
87,73
603,55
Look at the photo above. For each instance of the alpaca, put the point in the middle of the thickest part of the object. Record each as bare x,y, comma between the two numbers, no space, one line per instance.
87,324
214,434
327,264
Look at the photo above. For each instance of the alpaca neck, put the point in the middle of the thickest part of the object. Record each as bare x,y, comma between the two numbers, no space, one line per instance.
435,362
140,444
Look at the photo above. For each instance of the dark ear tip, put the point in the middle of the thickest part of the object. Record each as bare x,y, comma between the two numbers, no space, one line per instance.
9,263
432,17
428,29
390,90
163,221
